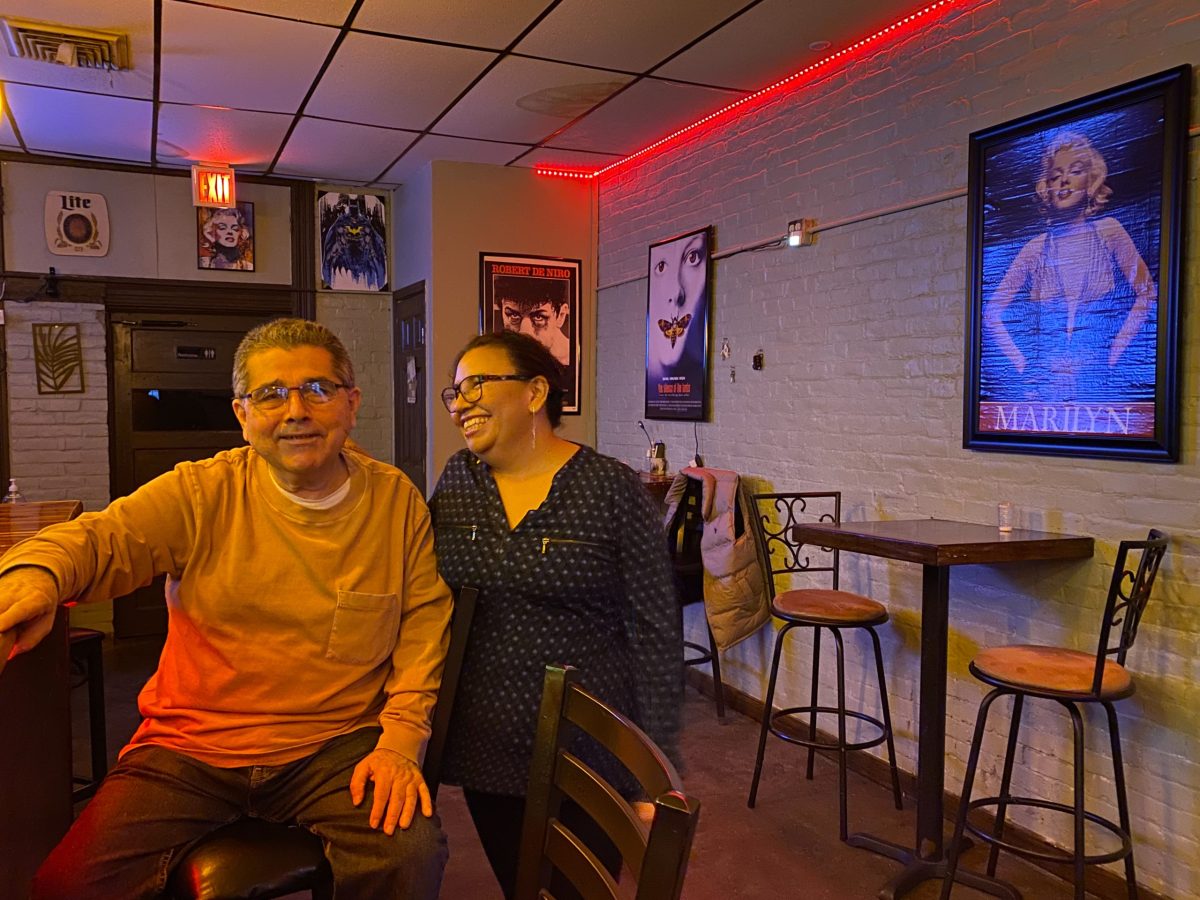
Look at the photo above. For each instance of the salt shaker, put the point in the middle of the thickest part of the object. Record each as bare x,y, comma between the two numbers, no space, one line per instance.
14,494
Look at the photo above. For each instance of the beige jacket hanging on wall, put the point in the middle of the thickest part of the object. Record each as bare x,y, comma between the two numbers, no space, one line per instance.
736,602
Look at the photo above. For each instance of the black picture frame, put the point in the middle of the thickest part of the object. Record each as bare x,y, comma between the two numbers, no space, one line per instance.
352,240
678,313
225,237
537,295
1076,219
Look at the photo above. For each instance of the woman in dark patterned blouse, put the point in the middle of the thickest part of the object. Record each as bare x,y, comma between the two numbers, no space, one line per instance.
569,554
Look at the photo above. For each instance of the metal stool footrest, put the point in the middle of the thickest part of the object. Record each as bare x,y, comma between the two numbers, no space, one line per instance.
1125,849
704,657
826,745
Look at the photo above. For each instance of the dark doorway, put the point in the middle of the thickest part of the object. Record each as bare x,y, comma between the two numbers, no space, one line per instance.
408,376
171,403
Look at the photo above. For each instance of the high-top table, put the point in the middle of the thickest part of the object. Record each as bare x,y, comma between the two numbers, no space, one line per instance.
936,544
21,520
35,741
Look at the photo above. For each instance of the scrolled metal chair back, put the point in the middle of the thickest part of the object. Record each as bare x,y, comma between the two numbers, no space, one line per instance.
777,514
1128,593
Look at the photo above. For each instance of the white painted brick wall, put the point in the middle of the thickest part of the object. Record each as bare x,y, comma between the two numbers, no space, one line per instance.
862,390
59,442
364,323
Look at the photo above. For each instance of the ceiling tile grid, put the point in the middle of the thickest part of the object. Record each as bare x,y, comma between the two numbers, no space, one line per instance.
322,12
571,159
81,124
393,82
645,112
588,81
239,138
435,147
8,137
494,25
339,151
632,35
528,100
263,63
134,18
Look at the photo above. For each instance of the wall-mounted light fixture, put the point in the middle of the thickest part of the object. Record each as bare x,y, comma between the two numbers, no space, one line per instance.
801,232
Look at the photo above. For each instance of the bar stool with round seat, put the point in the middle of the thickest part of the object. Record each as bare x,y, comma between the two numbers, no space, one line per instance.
253,858
1070,678
87,660
820,609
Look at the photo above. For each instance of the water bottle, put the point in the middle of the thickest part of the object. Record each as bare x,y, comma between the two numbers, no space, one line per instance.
14,494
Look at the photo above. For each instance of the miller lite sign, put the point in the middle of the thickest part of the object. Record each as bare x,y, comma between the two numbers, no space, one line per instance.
76,224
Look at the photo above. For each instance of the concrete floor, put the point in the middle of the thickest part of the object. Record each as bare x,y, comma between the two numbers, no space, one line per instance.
786,847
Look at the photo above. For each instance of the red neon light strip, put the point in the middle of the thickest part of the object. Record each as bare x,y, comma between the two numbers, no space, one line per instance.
857,45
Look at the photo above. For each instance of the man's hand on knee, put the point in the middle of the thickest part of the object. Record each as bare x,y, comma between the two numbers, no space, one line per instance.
28,601
398,787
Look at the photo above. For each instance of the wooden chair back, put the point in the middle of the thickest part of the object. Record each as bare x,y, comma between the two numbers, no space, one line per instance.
683,543
655,854
439,727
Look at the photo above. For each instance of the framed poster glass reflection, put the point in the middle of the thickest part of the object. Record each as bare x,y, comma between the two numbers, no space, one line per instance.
537,296
225,238
1076,228
677,311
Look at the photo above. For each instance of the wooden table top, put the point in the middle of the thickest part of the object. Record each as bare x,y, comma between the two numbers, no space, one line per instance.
939,542
657,485
21,520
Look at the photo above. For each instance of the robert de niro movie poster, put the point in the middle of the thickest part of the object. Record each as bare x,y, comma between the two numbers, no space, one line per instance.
537,296
677,327
1076,228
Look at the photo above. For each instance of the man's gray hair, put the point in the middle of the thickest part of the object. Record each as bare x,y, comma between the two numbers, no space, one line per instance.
288,334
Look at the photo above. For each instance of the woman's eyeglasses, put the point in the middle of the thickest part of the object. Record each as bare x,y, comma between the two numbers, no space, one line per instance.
273,396
471,388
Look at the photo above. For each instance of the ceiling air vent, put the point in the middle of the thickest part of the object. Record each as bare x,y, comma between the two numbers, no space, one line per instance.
89,48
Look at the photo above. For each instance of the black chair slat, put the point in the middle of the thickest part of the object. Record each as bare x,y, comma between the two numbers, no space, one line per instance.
628,743
602,802
578,864
549,847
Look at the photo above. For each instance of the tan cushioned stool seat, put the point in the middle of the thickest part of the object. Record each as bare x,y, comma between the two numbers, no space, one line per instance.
835,607
1051,669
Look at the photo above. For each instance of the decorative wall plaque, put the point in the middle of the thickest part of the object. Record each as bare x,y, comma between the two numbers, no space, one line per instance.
58,358
76,224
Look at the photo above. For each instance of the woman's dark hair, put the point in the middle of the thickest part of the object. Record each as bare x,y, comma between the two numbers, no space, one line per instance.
530,358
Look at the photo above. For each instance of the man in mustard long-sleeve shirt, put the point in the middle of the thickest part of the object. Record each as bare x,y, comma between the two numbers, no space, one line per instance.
307,632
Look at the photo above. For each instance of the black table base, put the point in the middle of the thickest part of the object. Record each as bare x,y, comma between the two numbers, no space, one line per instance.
917,870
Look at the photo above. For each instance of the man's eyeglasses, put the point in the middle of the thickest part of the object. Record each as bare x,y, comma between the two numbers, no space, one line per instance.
273,396
471,387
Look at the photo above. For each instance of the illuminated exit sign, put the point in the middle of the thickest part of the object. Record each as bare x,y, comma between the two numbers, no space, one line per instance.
213,186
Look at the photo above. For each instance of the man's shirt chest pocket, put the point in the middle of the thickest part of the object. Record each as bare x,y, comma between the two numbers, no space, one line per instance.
364,629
